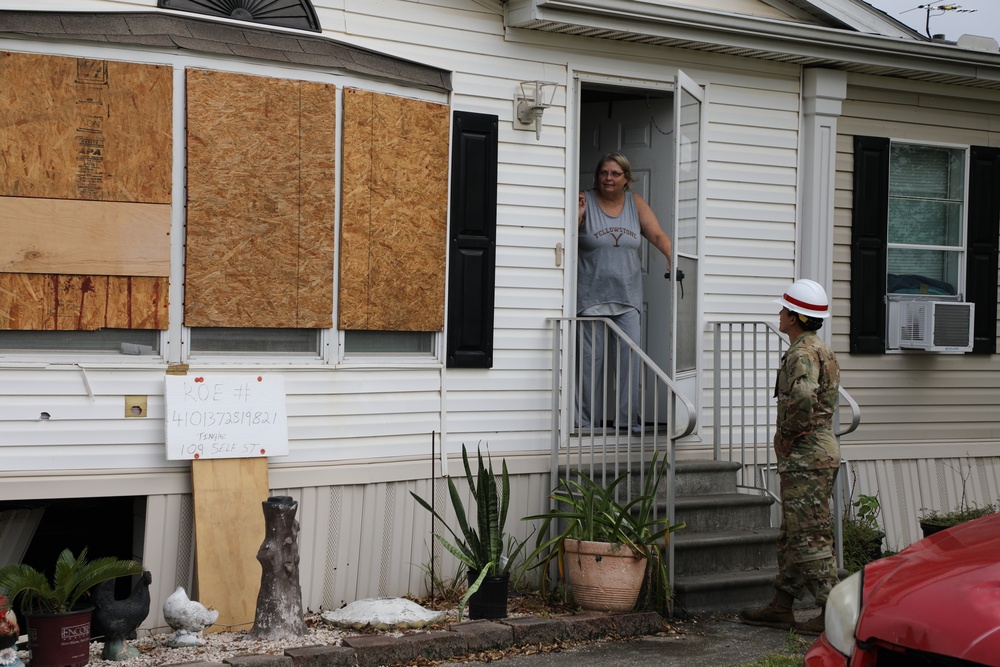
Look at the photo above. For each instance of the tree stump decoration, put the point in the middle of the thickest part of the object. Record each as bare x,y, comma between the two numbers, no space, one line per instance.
279,602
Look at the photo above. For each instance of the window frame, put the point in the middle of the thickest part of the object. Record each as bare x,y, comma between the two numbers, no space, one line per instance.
97,356
869,242
959,287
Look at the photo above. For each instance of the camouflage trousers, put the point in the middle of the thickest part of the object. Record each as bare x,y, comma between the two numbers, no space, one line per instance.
806,560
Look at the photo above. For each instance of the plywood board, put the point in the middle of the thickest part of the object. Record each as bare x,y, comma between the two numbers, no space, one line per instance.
43,302
394,213
84,237
76,128
355,209
229,529
261,156
317,200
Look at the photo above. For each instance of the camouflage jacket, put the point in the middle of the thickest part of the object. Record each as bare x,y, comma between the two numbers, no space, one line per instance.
807,391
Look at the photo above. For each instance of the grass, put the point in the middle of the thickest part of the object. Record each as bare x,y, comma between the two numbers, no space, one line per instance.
795,649
775,661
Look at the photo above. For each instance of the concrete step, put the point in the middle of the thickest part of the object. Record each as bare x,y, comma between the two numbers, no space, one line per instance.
690,477
697,553
723,592
693,478
723,512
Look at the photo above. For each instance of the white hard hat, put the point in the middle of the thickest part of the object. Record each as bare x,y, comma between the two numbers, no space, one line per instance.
806,297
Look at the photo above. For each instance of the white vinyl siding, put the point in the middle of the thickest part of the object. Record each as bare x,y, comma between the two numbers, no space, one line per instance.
949,400
909,485
363,436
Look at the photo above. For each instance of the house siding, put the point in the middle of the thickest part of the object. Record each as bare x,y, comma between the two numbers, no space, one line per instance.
929,420
364,434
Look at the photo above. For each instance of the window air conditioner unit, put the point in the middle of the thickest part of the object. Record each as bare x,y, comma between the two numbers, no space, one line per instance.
934,326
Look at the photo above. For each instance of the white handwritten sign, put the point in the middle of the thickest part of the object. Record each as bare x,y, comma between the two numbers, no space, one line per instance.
225,416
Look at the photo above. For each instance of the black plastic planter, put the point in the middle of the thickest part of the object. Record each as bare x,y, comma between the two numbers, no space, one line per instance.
931,528
490,601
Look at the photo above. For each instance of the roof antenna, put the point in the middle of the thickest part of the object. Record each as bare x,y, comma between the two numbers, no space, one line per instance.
940,9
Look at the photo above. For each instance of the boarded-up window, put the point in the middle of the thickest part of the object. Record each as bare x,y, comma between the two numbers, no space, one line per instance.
394,213
261,194
85,187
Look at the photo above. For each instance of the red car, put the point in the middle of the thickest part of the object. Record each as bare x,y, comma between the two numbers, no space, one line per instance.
934,604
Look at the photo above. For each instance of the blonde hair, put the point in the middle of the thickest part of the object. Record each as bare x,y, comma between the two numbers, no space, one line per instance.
622,162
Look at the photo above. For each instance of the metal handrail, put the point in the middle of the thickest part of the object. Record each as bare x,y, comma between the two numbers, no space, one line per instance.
855,413
597,449
773,345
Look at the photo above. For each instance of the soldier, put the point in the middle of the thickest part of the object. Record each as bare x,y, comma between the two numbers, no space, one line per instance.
808,457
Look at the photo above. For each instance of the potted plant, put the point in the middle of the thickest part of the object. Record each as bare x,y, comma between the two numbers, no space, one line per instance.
862,536
934,521
483,547
607,549
56,613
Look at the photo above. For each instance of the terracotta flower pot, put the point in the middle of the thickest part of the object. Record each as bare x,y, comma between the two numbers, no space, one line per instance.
603,576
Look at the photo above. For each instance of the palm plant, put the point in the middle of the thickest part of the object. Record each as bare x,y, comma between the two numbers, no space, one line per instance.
73,577
484,548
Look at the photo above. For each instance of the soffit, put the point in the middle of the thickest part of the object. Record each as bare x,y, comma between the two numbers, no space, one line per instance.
190,33
778,41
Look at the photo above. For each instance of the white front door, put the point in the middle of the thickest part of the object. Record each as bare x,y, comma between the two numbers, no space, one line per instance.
642,130
655,131
687,171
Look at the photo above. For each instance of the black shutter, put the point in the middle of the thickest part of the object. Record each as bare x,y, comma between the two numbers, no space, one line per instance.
472,240
869,229
981,250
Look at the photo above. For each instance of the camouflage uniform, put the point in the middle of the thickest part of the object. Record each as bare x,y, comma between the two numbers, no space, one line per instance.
808,457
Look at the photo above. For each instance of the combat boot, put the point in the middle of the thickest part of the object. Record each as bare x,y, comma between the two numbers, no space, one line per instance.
777,614
813,626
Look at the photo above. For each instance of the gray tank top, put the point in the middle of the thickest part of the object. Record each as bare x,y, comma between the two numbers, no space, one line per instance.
609,270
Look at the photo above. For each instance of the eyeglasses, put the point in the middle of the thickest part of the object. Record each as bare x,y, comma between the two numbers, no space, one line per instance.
612,174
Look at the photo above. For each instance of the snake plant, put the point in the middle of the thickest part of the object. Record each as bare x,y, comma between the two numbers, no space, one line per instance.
483,546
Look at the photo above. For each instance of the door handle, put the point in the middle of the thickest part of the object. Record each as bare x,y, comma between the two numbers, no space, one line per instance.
680,279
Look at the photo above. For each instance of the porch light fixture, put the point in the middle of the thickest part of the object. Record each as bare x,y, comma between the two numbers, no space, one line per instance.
534,98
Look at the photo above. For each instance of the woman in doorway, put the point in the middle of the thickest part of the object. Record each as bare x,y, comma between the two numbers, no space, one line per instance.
609,281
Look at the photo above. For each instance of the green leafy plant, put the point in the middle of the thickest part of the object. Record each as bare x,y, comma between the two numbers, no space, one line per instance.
589,511
966,511
866,511
484,548
72,578
862,536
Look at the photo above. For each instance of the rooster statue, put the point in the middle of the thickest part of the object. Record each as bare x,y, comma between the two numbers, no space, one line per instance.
188,618
118,619
9,633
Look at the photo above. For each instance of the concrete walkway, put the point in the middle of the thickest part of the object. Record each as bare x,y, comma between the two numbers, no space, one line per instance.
572,640
710,643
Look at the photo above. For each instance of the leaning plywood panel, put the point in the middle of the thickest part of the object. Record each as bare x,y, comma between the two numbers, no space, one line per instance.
76,128
84,237
394,237
41,302
229,529
260,194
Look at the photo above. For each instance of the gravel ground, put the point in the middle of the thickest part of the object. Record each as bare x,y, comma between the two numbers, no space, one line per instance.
218,646
153,650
